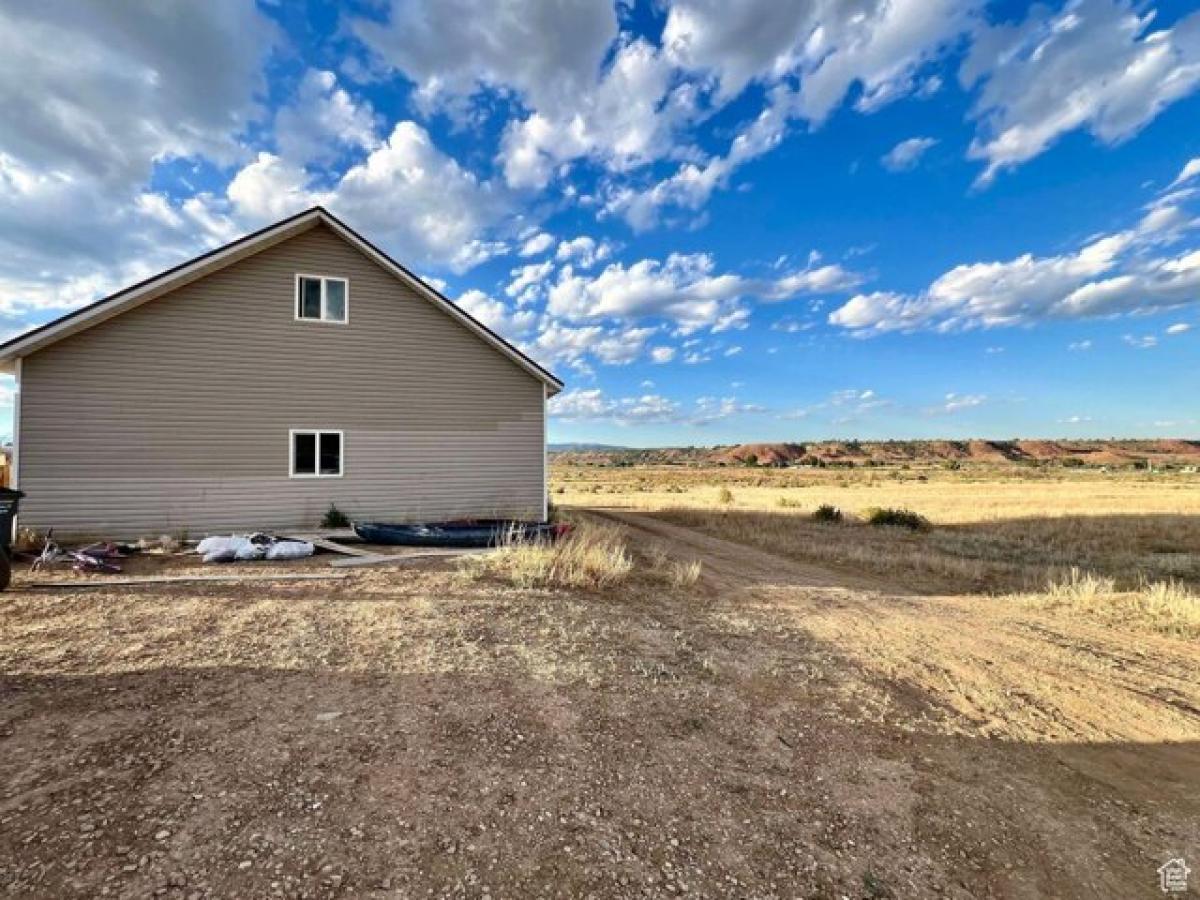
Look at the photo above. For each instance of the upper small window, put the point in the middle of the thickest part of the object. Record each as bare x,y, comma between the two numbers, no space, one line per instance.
321,299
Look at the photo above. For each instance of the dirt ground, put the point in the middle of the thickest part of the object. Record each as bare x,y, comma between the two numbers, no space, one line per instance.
778,730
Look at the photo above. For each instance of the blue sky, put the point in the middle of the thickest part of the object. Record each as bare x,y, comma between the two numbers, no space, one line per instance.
716,221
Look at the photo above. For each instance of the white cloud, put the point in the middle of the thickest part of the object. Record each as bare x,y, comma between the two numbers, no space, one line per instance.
662,354
270,188
735,318
1079,346
694,182
584,405
1075,420
549,53
829,45
790,325
557,343
737,42
102,91
1179,328
906,154
511,324
953,403
538,243
1111,274
92,97
321,119
626,119
684,288
527,277
713,409
1094,64
827,279
842,406
1141,342
856,397
583,251
732,351
589,91
446,208
622,347
447,214
1189,171
592,404
560,343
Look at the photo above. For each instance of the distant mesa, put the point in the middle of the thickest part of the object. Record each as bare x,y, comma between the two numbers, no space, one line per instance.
1154,452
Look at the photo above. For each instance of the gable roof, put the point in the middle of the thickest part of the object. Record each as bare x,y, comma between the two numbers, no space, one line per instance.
215,260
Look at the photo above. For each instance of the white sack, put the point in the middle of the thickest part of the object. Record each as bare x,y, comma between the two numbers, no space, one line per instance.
290,550
250,550
224,549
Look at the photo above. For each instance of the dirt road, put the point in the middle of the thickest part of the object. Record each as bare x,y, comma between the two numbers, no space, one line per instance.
1113,718
992,666
775,731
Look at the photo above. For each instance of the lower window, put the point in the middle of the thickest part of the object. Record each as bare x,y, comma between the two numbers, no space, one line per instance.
315,454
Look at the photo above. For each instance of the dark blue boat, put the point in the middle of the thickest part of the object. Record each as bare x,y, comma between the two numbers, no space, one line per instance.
481,533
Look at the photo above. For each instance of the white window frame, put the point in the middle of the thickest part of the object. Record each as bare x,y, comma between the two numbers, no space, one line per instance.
292,432
324,279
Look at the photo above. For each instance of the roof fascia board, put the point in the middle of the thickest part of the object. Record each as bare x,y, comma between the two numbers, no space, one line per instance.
185,273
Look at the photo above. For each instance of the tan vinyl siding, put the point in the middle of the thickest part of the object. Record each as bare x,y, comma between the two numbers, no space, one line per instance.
175,415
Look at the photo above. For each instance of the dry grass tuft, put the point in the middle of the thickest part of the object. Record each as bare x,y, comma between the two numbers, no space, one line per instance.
886,517
684,574
1165,606
591,555
827,513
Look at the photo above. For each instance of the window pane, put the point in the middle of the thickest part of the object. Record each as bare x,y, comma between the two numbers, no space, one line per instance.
304,454
331,453
335,300
310,298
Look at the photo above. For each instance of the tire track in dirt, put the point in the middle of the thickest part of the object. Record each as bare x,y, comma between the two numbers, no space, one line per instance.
1006,671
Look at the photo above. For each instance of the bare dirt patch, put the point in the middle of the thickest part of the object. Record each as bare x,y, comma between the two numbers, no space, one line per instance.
776,730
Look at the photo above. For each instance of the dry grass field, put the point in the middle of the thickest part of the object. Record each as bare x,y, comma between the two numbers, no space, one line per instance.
1123,544
689,696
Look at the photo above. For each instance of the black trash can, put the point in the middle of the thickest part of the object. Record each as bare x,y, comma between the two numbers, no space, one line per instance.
9,501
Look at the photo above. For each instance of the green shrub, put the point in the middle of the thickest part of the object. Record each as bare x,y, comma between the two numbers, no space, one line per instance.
827,513
335,518
898,518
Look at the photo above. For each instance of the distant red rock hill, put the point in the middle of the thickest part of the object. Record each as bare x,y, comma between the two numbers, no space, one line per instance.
868,453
